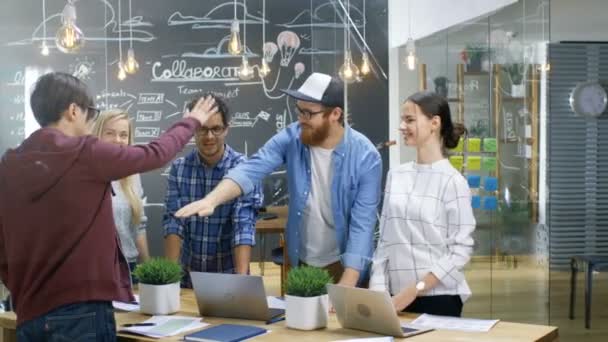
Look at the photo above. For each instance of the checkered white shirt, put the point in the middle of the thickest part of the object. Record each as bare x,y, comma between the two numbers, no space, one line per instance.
426,226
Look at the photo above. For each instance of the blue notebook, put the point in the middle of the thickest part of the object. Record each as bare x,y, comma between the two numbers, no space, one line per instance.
225,333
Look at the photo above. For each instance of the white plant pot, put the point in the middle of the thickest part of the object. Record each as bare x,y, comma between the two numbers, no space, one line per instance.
159,299
306,313
518,90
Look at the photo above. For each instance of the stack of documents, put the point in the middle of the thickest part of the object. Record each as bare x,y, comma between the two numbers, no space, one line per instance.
165,326
133,306
275,302
454,323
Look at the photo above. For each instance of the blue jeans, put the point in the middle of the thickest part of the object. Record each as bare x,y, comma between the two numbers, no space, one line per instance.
87,321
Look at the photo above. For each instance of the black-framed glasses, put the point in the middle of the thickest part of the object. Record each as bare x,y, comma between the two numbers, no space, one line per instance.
215,130
92,113
306,114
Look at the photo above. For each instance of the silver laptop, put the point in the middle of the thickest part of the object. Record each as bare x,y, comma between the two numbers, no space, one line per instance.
232,296
367,310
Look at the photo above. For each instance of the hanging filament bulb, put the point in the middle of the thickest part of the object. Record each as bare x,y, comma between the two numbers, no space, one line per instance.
121,71
245,71
264,69
69,38
410,49
44,49
349,72
131,66
234,45
365,69
411,61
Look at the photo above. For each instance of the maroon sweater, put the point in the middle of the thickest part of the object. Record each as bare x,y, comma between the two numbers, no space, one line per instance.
58,241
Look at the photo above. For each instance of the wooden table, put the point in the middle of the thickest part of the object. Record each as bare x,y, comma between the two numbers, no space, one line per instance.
271,226
275,225
502,332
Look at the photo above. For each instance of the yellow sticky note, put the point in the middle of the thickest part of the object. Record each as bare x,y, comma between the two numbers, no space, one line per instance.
474,145
457,162
474,163
460,146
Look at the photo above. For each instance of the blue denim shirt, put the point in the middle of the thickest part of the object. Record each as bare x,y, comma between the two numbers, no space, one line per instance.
355,191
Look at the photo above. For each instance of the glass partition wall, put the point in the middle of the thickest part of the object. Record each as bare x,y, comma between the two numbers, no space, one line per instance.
491,70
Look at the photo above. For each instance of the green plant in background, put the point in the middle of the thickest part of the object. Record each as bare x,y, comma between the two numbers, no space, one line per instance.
476,56
158,271
516,72
479,129
307,281
474,51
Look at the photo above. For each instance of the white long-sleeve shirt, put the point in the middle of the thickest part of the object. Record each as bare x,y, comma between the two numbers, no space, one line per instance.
426,226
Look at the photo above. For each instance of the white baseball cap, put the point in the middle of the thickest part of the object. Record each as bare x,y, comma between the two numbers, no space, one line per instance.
320,88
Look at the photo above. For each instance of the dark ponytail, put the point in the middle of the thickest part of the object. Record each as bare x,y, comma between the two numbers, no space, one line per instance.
432,104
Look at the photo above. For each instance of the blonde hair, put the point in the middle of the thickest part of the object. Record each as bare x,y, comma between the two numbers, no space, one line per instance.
128,183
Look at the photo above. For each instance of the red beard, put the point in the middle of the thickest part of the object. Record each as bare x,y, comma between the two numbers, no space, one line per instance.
315,136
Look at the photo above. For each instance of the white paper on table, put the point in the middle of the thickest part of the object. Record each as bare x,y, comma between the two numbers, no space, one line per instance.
166,326
134,306
369,339
275,303
454,323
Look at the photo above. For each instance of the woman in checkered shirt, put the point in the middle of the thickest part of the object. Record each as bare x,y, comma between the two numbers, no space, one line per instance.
427,220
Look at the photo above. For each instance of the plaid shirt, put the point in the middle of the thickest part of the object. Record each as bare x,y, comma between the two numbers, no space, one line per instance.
208,242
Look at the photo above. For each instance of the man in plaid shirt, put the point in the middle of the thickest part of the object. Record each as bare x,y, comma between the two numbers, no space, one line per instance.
221,242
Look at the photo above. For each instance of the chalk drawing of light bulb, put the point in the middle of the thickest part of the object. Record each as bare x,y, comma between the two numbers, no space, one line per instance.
270,49
299,69
288,43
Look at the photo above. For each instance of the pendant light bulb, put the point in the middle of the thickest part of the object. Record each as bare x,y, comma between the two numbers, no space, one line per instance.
349,72
245,71
132,65
365,68
234,44
69,38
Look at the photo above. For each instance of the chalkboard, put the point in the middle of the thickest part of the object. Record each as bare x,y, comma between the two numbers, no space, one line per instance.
181,48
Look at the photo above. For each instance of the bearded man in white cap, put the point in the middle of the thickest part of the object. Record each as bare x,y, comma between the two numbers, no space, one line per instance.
334,175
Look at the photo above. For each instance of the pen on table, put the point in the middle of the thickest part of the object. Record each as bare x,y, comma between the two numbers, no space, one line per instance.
274,320
138,325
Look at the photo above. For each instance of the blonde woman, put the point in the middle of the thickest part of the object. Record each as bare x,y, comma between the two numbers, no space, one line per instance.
115,127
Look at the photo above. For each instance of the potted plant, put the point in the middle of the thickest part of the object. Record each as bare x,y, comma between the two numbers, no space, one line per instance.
471,56
159,286
516,72
441,86
307,303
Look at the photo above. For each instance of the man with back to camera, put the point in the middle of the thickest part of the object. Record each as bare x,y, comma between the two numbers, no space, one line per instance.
59,250
334,175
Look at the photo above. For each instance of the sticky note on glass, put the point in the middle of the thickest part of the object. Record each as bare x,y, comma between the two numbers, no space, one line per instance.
474,181
457,162
460,146
490,184
476,202
528,131
474,163
489,164
490,203
474,145
489,144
